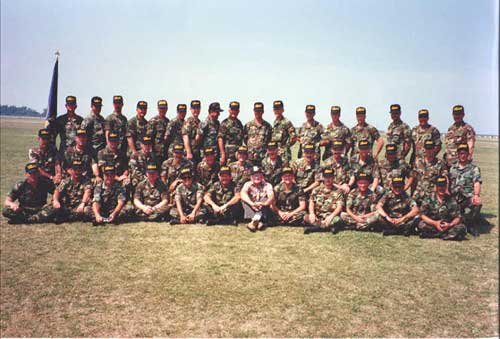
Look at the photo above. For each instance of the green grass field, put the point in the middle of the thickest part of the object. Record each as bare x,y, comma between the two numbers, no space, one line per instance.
145,279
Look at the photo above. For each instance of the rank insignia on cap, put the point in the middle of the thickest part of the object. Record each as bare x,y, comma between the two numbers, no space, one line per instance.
429,144
208,151
390,149
258,106
278,104
463,147
225,170
109,169
179,148
162,103
458,109
398,180
242,149
113,136
335,110
181,108
338,144
272,145
360,110
423,113
152,167
31,167
142,104
234,105
309,148
441,181
97,101
186,172
363,176
81,131
395,108
286,170
195,103
70,99
147,140
310,109
364,144
117,99
76,164
44,133
327,172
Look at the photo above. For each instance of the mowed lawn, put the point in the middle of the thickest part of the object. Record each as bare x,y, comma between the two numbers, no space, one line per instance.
194,281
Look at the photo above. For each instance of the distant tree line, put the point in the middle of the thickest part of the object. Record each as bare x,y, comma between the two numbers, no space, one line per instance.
19,111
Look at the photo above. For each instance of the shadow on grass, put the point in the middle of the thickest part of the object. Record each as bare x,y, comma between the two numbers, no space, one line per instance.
484,226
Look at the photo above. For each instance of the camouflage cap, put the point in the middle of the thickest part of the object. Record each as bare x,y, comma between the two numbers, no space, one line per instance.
96,101
186,172
458,109
215,107
360,110
335,110
234,105
391,149
179,148
429,144
310,109
463,147
71,100
31,167
162,103
395,108
278,104
142,104
441,181
44,133
423,113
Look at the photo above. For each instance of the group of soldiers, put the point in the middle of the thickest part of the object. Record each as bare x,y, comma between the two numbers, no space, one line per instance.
185,170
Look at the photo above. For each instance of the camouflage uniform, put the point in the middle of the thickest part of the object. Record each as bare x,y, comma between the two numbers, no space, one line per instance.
188,196
462,188
397,206
426,174
288,201
256,138
157,127
86,156
283,133
310,134
370,166
137,165
447,210
33,207
305,174
209,130
399,133
95,126
231,133
137,129
107,198
151,195
118,123
272,172
173,135
71,196
331,133
342,170
419,135
46,159
66,127
326,200
190,128
171,171
222,195
363,132
360,204
240,174
119,160
206,175
388,170
457,134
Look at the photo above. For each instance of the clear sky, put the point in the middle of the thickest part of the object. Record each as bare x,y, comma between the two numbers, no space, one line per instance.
421,54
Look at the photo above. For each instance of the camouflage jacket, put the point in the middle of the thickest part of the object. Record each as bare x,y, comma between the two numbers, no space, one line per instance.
171,171
207,175
157,127
209,130
399,133
457,133
283,133
29,196
342,170
231,132
107,197
221,195
326,200
137,129
66,127
288,200
71,193
397,206
363,132
190,128
462,180
445,210
86,156
272,172
151,195
173,134
390,169
95,127
256,138
333,132
310,134
137,165
369,167
427,173
118,123
188,195
240,173
420,134
361,203
305,174
47,159
119,159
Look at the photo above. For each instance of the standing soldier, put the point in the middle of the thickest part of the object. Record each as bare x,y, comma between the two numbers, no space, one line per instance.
458,133
95,124
171,169
82,152
47,157
207,132
257,133
189,130
32,196
151,196
230,134
241,168
283,132
325,205
116,122
71,200
393,166
440,215
137,127
335,130
67,124
173,134
109,199
208,169
188,207
365,131
339,163
306,170
310,132
223,200
361,213
289,206
465,186
273,164
399,133
138,161
427,170
422,132
157,127
397,210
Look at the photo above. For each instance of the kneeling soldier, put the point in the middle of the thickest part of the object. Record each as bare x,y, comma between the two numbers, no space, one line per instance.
188,207
223,200
151,196
325,204
71,201
32,195
440,215
290,200
361,213
397,210
109,198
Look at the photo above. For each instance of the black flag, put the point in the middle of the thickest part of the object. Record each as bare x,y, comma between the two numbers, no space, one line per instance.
51,115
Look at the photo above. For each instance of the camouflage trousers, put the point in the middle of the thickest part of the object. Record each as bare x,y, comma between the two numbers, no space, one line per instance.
175,216
158,215
295,220
29,215
230,214
70,214
456,231
407,227
321,221
350,224
125,215
470,213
